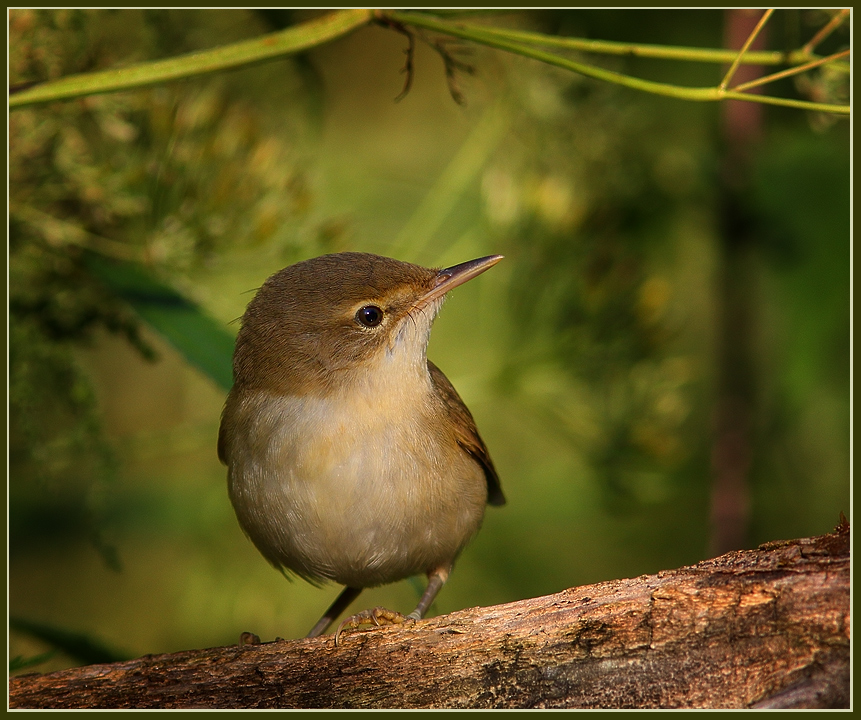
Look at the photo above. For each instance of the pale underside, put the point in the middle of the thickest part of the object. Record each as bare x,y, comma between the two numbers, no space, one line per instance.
361,486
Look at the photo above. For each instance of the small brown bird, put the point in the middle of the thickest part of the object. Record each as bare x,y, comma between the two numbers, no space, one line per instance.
350,456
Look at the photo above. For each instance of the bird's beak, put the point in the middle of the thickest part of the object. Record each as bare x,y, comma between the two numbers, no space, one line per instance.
449,278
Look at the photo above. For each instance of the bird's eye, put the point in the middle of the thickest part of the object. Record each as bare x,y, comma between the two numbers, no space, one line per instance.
369,316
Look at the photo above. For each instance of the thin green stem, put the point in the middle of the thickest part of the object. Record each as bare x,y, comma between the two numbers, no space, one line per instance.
480,35
790,71
747,43
826,30
786,102
336,24
292,40
660,52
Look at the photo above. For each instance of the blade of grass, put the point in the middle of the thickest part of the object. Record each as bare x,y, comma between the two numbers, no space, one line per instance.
451,184
292,40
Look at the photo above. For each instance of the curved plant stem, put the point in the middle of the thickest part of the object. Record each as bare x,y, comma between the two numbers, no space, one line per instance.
500,42
506,41
292,40
338,23
660,52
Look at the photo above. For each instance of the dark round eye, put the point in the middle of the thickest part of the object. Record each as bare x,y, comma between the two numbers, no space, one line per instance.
370,316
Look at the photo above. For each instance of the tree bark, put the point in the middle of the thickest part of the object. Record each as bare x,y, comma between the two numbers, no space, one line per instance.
753,628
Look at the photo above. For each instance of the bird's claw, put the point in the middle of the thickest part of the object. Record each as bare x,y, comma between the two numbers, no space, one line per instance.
375,616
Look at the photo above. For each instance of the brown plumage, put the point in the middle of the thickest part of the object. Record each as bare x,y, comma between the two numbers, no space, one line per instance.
350,456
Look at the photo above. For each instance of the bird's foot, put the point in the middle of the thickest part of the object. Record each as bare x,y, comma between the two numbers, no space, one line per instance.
375,616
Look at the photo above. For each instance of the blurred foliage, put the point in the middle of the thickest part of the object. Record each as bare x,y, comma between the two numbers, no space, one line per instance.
59,461
19,662
203,342
168,178
588,199
593,380
81,648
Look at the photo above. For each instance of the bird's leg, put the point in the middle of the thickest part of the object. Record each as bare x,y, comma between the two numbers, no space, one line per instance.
380,616
436,579
348,594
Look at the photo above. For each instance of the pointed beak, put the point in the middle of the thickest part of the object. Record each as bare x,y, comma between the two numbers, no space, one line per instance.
449,278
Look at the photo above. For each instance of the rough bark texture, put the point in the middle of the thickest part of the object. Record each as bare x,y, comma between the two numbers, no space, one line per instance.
754,628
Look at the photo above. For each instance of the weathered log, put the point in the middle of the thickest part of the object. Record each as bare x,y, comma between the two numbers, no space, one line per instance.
755,628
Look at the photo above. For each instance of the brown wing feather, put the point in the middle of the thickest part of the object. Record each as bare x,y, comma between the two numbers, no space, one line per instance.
467,433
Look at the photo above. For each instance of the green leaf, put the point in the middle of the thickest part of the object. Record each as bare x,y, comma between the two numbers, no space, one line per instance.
19,662
78,646
204,342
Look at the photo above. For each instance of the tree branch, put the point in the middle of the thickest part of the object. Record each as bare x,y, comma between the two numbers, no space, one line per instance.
755,628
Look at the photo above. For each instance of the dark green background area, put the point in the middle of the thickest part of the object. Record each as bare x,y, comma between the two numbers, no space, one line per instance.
141,224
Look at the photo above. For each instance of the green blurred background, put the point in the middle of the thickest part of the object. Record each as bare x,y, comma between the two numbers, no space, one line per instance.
595,358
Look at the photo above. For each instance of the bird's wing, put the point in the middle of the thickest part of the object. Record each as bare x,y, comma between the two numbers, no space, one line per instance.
467,433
